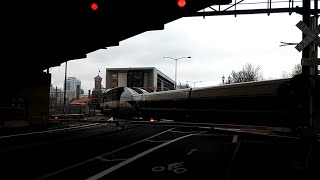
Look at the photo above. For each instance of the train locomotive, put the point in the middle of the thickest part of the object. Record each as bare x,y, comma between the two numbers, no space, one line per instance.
269,103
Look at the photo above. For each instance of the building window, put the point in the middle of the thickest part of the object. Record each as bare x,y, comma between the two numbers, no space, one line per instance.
114,80
163,84
68,87
135,78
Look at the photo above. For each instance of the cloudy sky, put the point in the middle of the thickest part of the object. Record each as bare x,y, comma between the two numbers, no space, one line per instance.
217,45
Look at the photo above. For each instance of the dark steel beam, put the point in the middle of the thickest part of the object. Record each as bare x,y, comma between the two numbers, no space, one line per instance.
251,11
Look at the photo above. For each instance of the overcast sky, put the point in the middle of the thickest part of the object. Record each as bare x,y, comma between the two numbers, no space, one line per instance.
217,45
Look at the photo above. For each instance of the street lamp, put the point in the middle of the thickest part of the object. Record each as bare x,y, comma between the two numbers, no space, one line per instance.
176,59
194,83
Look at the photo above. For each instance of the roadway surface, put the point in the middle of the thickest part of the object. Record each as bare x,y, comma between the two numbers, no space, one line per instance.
101,150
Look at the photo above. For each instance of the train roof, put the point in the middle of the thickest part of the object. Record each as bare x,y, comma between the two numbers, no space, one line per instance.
133,90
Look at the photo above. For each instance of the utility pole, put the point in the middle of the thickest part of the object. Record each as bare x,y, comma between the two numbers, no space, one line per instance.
176,59
65,89
310,73
56,110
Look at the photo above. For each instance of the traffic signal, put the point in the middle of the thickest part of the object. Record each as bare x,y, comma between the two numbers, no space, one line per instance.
94,6
181,3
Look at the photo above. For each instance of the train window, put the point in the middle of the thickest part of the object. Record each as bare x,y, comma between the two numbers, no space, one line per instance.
127,94
139,90
143,91
112,95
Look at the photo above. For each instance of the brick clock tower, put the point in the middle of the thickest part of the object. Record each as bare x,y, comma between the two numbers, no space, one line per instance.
97,83
96,93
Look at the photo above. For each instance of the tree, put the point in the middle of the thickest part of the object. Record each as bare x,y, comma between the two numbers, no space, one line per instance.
183,86
248,73
297,69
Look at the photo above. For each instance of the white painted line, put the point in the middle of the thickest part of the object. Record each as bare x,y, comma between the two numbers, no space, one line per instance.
227,129
191,151
234,155
149,140
186,132
236,149
215,135
116,150
235,138
203,127
108,160
54,130
113,168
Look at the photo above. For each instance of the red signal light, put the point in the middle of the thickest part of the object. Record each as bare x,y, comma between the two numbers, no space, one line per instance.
181,3
94,6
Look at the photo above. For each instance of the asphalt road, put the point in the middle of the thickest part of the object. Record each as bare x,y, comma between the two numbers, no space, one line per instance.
148,151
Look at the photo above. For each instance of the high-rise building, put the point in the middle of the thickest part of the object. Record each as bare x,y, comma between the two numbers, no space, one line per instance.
71,87
72,83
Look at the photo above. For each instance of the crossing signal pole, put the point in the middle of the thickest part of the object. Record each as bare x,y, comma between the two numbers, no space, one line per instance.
311,106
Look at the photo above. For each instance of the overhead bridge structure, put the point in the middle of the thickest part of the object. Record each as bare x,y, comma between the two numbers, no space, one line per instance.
37,35
57,31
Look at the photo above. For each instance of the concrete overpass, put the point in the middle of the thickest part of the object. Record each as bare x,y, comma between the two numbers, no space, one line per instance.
41,34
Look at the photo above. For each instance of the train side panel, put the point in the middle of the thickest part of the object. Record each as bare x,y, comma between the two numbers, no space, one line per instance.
165,105
255,103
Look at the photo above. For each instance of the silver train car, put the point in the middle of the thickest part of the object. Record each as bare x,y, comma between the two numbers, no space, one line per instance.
271,103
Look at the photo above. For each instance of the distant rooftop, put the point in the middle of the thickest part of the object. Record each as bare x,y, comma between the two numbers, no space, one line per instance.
98,77
141,68
131,68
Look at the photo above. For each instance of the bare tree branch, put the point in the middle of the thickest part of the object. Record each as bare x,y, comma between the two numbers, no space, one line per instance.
297,69
248,73
183,86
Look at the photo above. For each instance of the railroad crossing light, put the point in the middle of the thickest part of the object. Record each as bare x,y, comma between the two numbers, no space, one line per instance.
94,6
181,3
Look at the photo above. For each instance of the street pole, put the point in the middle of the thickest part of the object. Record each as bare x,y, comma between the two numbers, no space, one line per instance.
309,76
56,108
176,59
175,81
65,89
194,83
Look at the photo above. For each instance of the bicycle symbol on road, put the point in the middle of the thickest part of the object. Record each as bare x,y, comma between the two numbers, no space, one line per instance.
174,167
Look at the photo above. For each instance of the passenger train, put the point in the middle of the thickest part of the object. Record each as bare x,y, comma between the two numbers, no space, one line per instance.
273,102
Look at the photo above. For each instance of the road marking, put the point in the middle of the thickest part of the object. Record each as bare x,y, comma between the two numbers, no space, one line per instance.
215,135
203,127
116,150
191,151
108,160
149,140
180,170
235,138
158,169
113,168
54,130
174,167
186,132
235,152
234,155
